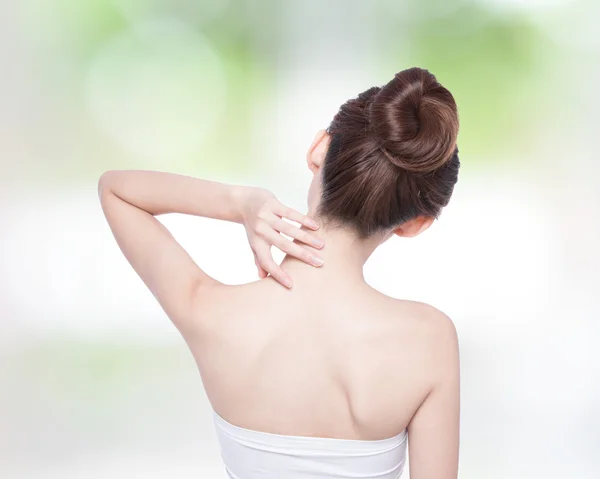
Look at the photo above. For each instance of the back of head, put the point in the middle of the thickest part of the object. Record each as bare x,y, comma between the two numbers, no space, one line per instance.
392,156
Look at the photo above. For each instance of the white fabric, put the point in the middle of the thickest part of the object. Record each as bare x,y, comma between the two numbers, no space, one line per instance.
250,454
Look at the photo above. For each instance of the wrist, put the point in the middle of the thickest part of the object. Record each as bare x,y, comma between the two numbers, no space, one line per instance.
239,197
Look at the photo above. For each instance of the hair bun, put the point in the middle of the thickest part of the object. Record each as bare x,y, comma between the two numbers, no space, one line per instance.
415,121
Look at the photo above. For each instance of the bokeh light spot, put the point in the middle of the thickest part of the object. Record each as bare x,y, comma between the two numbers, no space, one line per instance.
157,89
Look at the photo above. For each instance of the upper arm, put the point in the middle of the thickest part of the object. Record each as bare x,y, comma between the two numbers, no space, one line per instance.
166,268
433,433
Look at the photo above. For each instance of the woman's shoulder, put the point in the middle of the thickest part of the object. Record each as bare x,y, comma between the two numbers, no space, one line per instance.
419,317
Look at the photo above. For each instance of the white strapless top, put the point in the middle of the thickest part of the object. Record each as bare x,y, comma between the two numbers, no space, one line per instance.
250,454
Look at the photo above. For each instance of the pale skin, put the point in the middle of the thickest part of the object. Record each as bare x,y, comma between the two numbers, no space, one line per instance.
325,356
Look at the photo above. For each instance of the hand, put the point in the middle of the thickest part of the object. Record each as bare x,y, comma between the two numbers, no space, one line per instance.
262,216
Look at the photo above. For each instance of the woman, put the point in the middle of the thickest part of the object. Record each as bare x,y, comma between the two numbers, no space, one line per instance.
309,370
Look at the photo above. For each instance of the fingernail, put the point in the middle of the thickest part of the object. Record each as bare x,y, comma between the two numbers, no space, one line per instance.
288,282
317,243
316,261
313,224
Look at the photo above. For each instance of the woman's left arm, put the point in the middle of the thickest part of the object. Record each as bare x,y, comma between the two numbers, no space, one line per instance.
132,199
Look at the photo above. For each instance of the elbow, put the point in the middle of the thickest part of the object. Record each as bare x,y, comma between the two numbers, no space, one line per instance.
104,183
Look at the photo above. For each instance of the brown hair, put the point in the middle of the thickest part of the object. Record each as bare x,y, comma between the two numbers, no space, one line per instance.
392,156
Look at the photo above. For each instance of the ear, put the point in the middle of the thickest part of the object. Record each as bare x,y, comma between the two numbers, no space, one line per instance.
414,227
318,150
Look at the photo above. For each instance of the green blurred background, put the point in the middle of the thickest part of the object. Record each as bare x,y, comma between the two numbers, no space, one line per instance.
95,382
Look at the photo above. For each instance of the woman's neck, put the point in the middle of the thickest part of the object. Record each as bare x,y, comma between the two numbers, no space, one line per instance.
344,257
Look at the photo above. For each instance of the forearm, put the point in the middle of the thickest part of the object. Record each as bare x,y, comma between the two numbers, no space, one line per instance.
160,193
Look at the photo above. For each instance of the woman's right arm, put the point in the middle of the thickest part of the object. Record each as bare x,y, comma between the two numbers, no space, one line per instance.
433,433
131,200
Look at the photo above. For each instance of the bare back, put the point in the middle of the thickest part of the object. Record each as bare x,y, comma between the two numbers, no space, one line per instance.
344,362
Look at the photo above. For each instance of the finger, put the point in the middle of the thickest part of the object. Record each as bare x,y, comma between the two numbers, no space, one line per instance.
261,272
292,214
295,250
290,230
267,263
